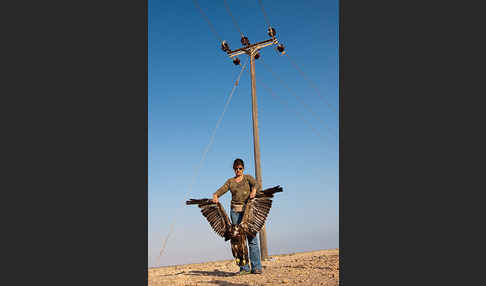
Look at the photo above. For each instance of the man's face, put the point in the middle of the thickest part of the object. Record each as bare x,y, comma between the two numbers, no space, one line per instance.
239,170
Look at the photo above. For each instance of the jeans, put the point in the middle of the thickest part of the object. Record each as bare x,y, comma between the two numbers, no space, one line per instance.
254,249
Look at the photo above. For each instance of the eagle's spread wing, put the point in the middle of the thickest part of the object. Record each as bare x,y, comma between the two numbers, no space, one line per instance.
215,214
256,210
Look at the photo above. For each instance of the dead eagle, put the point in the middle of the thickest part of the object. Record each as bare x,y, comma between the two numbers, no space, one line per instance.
256,212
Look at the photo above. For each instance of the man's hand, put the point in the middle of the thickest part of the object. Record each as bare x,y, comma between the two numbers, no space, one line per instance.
253,193
215,199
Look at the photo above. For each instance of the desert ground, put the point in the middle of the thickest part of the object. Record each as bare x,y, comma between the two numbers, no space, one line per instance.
304,268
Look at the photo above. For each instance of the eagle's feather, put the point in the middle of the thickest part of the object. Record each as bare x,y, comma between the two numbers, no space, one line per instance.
215,214
256,212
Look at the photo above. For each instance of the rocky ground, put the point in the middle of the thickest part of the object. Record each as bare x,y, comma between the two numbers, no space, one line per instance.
304,268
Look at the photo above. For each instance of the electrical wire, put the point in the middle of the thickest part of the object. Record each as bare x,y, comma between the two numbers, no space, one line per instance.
209,22
313,85
285,102
303,103
202,159
264,14
165,243
232,17
217,125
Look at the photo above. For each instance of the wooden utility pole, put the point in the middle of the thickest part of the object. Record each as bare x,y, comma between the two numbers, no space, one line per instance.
252,51
256,150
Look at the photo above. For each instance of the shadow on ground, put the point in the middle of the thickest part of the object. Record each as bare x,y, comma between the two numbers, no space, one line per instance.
173,274
212,273
226,283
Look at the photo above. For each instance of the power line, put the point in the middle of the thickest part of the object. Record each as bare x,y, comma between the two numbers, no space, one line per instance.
295,65
264,14
300,115
217,125
303,103
234,20
205,153
209,22
165,243
311,82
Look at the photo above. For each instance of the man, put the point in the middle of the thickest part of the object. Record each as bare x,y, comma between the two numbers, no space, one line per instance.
242,188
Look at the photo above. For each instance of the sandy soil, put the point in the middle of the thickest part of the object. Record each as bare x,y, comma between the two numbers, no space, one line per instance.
304,268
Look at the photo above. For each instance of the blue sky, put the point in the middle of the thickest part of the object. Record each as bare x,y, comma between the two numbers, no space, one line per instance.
189,82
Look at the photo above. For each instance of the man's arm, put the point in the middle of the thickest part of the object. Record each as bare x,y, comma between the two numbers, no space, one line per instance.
215,198
253,193
254,186
221,191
